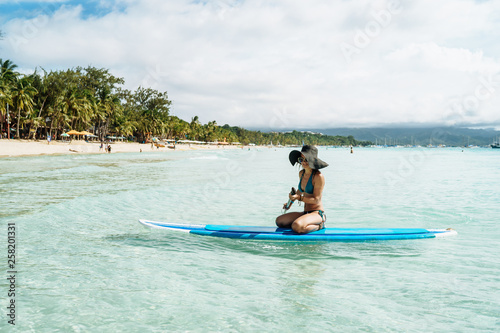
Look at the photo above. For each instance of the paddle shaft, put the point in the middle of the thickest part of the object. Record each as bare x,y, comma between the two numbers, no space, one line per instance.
290,202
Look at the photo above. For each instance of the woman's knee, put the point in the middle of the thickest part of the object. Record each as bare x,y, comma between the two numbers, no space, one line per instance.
298,227
286,220
280,221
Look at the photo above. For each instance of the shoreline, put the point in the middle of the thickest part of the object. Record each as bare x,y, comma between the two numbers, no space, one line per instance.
19,148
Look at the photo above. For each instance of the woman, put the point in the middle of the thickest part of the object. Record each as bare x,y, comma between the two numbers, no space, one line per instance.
310,190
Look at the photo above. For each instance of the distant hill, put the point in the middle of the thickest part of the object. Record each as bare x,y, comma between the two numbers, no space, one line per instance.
449,136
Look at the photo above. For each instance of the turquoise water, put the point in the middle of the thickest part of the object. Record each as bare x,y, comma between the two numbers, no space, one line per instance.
85,264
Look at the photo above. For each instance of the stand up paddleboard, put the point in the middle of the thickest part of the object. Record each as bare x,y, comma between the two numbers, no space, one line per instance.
327,234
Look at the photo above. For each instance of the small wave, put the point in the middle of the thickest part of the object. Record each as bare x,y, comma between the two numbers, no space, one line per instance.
207,157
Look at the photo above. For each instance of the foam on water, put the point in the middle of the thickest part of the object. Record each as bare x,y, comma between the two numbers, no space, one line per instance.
86,264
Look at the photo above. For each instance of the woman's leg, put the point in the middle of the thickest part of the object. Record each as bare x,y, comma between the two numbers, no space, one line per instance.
286,220
308,223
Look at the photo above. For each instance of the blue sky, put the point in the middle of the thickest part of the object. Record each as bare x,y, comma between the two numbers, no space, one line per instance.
29,9
281,63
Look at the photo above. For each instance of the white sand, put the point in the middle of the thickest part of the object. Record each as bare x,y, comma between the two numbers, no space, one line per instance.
26,147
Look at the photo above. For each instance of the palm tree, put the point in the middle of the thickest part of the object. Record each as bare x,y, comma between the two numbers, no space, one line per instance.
8,77
60,120
5,98
22,97
7,71
34,121
211,131
126,127
108,108
195,128
182,129
177,128
42,99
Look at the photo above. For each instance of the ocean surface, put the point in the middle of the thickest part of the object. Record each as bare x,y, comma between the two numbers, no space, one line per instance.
85,264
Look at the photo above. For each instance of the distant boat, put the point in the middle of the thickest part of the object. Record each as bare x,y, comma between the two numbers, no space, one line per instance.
495,145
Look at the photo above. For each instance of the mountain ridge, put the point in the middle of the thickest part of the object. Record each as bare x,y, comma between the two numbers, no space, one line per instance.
423,136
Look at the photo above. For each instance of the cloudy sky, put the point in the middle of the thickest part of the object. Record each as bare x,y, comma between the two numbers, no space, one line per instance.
279,63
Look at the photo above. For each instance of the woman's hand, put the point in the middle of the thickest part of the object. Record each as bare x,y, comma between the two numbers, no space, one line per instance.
294,197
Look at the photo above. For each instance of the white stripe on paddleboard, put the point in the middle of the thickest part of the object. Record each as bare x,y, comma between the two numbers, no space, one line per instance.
443,232
171,226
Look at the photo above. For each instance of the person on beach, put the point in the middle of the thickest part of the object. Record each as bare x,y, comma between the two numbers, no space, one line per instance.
309,192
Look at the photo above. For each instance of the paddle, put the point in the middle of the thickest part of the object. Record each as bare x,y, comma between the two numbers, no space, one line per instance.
290,202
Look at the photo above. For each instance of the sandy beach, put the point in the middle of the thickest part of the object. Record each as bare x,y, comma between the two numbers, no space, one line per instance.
12,148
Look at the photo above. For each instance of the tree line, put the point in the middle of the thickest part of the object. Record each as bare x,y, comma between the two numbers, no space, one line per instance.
92,99
294,138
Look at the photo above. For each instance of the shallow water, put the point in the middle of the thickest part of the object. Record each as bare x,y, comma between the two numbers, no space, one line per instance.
85,264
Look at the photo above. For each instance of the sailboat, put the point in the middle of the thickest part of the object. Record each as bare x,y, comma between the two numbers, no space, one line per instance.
495,144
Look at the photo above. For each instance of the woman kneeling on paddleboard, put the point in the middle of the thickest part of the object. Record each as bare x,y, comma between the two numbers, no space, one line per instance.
310,190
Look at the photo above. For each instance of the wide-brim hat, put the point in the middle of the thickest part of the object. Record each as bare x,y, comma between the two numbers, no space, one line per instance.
311,155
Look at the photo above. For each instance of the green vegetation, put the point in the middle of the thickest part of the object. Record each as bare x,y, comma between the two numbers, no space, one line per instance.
293,138
91,99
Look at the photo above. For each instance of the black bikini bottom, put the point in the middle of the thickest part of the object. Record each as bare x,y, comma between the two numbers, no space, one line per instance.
322,214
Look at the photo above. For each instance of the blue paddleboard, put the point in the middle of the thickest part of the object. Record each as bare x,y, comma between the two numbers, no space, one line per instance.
327,234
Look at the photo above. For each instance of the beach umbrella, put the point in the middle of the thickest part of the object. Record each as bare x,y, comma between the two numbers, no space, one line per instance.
65,134
85,133
73,132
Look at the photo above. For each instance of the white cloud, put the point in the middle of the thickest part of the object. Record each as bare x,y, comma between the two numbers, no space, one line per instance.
284,63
